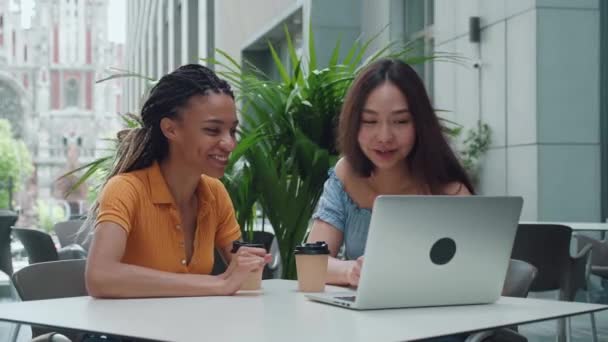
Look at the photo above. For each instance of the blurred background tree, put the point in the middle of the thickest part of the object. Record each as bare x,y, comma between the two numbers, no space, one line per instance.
15,164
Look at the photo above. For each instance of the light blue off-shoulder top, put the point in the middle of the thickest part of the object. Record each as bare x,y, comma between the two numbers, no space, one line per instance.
337,208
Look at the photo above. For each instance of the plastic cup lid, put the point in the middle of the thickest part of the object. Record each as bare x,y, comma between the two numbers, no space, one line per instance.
319,247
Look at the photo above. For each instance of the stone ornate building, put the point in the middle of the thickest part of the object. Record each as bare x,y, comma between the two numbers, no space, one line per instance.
48,91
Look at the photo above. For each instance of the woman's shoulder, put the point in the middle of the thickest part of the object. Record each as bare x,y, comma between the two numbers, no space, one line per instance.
213,188
124,187
456,189
213,183
344,171
353,185
125,181
341,175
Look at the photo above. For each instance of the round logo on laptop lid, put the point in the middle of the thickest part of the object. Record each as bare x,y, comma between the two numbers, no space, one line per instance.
443,251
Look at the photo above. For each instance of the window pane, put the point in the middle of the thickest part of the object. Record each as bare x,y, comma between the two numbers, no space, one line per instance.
71,93
430,12
414,16
430,68
418,50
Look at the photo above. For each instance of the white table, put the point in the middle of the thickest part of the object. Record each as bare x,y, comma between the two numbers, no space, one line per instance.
279,314
577,226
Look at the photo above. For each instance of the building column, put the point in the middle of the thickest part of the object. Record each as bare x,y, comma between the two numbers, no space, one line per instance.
604,105
160,42
171,34
184,27
567,111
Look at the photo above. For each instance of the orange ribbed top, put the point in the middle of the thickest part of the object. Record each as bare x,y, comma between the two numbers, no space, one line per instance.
140,203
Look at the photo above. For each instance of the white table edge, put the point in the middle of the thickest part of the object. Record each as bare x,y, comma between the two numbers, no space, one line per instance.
594,308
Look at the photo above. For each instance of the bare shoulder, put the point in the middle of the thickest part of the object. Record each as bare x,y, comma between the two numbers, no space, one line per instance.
341,167
354,185
456,189
344,171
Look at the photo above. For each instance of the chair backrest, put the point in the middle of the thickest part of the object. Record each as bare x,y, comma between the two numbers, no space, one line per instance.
599,254
7,220
50,280
67,233
38,245
546,247
264,238
520,276
219,266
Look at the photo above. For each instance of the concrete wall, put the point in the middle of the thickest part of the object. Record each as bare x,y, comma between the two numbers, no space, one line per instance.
161,36
238,23
383,20
241,23
332,21
537,88
568,102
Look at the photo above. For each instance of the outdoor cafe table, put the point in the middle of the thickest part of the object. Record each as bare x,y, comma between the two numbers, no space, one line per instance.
277,313
577,226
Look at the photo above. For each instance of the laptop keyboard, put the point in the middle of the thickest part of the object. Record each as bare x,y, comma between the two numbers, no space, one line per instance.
347,298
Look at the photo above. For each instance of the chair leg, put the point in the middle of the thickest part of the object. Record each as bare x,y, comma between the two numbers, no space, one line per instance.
16,327
569,329
562,330
593,328
14,332
592,316
561,323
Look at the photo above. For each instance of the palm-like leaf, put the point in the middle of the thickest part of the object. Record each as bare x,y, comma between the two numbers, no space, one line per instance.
293,119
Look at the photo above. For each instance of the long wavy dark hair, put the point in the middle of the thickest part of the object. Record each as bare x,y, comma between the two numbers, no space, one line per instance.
431,160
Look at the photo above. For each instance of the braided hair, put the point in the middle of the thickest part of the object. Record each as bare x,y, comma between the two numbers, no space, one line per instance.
140,147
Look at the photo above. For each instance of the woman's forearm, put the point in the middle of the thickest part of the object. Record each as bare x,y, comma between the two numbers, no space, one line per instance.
118,280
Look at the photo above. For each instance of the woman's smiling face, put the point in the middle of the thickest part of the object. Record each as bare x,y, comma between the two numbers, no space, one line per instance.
387,132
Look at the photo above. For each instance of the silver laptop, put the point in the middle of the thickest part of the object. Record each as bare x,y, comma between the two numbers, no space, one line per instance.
433,251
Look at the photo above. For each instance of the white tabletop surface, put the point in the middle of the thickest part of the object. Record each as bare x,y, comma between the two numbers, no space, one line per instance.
588,226
278,313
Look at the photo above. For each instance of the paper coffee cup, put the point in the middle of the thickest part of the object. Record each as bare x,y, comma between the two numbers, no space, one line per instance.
254,280
311,265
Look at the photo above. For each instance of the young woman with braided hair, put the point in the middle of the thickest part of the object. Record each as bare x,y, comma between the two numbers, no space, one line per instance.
162,211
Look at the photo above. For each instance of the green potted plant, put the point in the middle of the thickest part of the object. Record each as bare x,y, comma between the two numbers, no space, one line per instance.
288,134
286,140
475,145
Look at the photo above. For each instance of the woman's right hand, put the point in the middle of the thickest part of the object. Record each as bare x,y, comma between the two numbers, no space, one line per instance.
353,271
245,261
